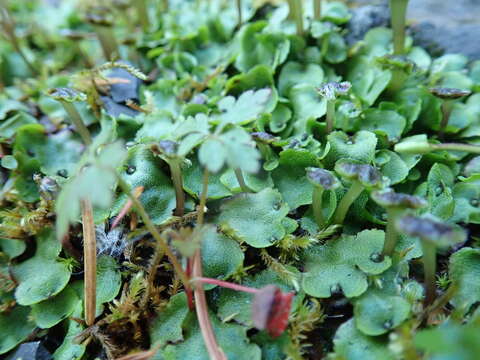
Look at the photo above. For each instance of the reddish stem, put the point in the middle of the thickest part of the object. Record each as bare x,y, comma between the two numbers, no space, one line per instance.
188,289
136,193
226,284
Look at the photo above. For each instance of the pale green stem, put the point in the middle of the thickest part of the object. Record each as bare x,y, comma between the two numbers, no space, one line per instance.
457,147
352,194
317,206
77,121
429,267
299,16
446,111
176,173
317,9
391,233
330,115
398,10
239,11
108,42
142,14
241,181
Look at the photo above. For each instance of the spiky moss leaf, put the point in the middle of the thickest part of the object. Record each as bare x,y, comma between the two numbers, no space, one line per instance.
344,264
307,104
377,313
392,166
15,326
193,182
245,109
467,202
221,256
387,123
231,338
167,326
50,312
44,275
257,182
359,147
69,349
143,169
464,270
351,344
257,47
450,341
294,73
254,218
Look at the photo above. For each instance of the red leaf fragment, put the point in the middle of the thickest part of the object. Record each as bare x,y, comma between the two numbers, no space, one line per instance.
271,309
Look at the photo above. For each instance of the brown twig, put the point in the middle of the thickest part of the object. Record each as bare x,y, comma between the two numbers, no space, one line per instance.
90,261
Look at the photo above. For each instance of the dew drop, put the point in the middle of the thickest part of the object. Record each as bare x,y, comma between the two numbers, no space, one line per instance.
63,173
131,169
438,190
376,257
388,324
474,202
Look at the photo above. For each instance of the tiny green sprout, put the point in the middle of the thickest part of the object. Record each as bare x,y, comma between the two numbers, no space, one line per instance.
448,95
395,204
239,12
167,150
398,11
433,234
362,177
331,91
101,19
67,96
321,180
263,141
419,144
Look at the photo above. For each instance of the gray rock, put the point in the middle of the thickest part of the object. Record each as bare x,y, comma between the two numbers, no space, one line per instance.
439,26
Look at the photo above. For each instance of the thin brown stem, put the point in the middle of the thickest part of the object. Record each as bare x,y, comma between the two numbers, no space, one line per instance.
89,260
241,181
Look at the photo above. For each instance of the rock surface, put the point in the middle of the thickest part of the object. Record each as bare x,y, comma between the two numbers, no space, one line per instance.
439,26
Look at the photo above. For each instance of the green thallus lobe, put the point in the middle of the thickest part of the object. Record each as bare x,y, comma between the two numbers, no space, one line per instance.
433,234
321,180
